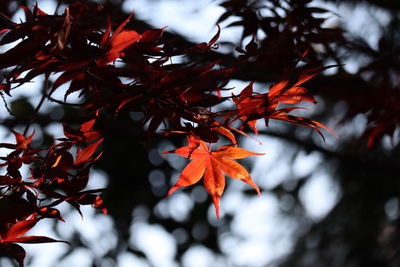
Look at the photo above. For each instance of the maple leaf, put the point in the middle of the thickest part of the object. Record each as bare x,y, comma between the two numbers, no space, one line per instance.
212,165
203,47
15,235
22,142
119,40
84,154
252,107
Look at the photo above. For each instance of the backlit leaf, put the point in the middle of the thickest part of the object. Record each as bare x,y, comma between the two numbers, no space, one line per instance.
212,165
87,152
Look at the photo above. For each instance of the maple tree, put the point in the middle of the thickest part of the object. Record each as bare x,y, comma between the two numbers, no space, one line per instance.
117,68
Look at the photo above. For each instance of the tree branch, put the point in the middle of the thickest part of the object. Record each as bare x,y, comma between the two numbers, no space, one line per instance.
6,21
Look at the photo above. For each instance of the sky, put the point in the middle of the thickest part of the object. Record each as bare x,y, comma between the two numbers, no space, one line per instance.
261,233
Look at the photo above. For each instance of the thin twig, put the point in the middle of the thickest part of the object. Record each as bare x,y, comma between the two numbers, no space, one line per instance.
155,97
6,105
62,102
59,2
7,21
39,105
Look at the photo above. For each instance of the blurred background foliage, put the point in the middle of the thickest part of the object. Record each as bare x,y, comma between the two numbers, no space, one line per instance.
355,188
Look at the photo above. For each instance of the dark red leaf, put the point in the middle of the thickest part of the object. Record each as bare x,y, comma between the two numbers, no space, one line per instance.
36,239
19,229
152,35
87,125
65,77
86,153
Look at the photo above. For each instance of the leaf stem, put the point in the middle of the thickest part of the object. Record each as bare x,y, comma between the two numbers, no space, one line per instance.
39,105
6,105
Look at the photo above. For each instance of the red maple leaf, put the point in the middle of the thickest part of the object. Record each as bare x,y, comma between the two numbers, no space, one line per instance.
119,40
252,107
212,165
15,235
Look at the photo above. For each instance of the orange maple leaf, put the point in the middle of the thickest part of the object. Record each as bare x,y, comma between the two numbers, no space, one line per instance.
211,165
